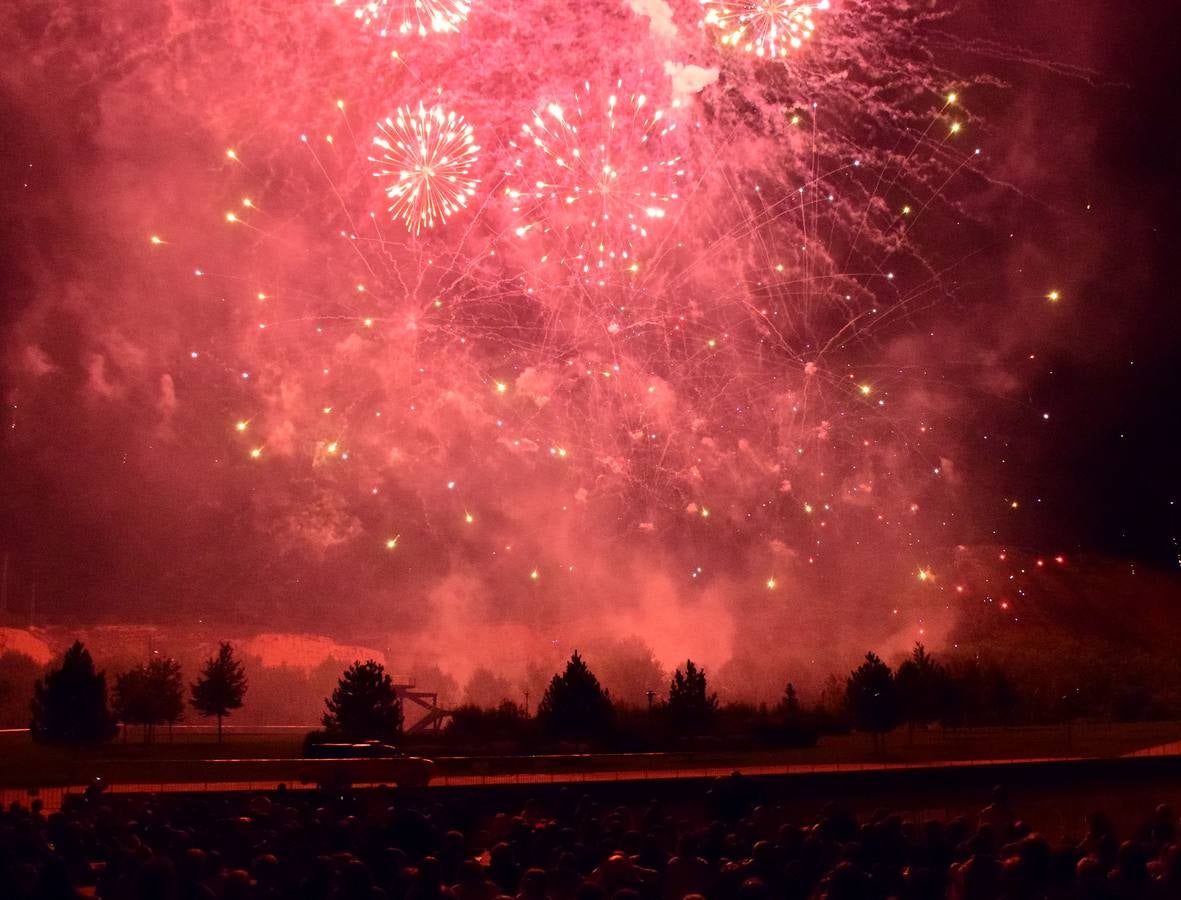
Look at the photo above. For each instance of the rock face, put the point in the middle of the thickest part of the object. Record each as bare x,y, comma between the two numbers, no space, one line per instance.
304,651
18,640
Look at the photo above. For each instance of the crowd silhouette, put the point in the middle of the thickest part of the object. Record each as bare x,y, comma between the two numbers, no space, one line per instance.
723,843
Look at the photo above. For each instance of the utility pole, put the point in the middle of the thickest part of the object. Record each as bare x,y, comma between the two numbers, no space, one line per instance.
526,703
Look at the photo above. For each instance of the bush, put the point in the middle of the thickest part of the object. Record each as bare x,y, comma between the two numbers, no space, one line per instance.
475,725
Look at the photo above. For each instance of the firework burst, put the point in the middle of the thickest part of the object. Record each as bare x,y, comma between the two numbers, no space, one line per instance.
596,177
429,154
766,28
420,17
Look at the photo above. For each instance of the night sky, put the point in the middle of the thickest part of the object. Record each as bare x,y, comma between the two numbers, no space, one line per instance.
708,410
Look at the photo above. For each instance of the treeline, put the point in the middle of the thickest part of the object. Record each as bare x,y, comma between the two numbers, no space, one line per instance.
577,712
872,698
71,704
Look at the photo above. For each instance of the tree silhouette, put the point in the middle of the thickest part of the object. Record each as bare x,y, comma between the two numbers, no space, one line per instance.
872,698
691,708
574,704
505,722
170,686
70,703
131,701
220,687
1001,694
364,705
834,701
984,692
789,704
150,694
925,689
487,689
627,669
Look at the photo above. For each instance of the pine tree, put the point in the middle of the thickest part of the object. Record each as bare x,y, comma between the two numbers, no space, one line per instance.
70,702
924,688
691,708
872,698
220,687
575,704
364,705
789,705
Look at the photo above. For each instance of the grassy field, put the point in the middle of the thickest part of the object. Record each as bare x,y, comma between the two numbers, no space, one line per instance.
22,763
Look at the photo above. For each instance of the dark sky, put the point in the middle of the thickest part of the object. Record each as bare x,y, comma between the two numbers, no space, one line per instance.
123,490
1123,479
1100,156
1113,476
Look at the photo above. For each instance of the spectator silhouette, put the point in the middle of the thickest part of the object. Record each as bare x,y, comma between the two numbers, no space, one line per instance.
380,846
